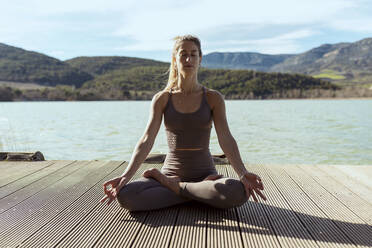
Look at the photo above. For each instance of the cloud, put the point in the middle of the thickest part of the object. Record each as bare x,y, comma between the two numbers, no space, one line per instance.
153,27
147,26
363,25
284,43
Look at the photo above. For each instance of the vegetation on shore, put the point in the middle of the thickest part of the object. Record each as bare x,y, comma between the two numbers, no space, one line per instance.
342,63
125,78
141,83
18,65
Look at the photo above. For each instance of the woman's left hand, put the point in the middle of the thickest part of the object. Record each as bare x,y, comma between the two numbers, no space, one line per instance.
253,185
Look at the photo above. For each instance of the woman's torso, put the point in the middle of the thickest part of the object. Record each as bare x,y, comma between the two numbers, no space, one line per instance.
188,137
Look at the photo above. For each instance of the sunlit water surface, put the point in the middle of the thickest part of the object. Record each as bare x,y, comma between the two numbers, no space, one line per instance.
270,132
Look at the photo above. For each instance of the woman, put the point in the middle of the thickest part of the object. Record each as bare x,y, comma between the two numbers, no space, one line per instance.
188,172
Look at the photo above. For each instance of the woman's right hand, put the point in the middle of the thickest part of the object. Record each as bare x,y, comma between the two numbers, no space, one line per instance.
112,188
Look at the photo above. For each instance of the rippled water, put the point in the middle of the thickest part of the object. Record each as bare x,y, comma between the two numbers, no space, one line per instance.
271,132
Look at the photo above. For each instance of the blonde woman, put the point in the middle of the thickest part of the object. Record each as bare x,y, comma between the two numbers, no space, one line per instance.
188,172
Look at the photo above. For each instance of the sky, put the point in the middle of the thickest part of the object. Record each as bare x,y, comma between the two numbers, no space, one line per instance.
145,28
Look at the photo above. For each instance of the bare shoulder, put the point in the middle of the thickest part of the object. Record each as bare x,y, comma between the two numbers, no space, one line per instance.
160,99
214,97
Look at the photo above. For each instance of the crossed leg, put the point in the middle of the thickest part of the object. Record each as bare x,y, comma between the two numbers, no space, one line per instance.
157,190
147,194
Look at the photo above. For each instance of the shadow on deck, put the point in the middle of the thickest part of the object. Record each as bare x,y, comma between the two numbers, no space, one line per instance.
56,204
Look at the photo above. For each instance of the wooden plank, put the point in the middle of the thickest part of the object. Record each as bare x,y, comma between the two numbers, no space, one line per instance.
285,223
65,221
362,190
123,229
11,200
120,232
18,191
351,225
29,225
157,228
351,200
21,169
7,164
223,226
325,232
9,167
102,223
47,196
190,227
27,180
254,223
362,174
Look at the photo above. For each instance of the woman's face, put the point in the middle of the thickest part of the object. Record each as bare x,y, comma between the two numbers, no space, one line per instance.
187,58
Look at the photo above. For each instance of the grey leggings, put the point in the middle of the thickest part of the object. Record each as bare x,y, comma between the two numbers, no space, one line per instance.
147,194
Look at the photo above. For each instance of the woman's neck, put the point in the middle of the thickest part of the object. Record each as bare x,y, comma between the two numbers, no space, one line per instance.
187,85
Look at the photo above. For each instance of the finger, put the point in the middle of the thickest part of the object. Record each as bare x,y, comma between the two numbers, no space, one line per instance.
104,199
260,185
110,200
114,193
247,190
261,194
254,196
105,187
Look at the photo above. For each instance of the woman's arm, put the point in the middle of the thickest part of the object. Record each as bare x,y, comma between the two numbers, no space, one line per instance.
145,143
251,181
225,138
142,149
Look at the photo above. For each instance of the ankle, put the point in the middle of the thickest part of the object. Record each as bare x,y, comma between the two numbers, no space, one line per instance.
181,187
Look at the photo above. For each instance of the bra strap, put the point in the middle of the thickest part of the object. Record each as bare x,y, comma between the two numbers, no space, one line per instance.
204,94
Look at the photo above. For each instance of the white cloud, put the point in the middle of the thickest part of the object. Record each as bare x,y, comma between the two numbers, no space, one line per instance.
363,25
285,43
153,27
149,25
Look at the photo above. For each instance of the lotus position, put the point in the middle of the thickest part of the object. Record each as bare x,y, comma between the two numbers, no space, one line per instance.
188,173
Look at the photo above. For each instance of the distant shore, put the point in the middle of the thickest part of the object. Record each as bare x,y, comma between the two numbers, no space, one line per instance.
10,91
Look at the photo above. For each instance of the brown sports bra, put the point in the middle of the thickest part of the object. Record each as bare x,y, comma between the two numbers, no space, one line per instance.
188,130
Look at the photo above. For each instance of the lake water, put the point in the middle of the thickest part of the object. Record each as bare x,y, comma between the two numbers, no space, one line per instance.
270,132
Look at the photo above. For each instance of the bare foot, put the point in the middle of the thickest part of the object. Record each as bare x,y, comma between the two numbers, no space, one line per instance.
171,182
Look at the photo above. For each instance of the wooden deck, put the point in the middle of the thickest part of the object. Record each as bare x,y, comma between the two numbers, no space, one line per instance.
56,204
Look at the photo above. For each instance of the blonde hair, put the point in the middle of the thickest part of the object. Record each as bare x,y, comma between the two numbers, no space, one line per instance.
173,74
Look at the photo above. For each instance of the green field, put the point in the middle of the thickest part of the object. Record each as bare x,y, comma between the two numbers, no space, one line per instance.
330,74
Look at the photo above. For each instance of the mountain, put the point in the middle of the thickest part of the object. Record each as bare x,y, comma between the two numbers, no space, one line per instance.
343,61
301,62
350,62
19,65
243,60
103,64
121,78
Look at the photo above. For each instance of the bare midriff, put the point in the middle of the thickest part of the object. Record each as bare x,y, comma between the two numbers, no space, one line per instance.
188,149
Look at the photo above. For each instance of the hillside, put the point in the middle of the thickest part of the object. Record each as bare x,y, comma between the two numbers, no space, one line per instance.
143,82
301,62
103,64
242,60
19,65
349,61
123,78
342,62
